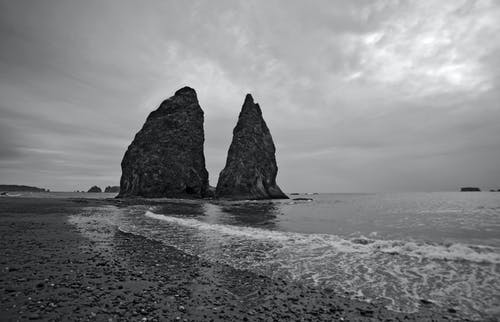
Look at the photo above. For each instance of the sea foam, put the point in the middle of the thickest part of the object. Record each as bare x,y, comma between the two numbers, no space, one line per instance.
395,273
453,252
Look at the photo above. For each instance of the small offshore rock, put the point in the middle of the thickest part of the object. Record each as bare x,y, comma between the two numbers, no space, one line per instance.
94,189
111,189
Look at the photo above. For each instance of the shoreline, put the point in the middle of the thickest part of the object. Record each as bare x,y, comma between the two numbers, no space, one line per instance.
51,271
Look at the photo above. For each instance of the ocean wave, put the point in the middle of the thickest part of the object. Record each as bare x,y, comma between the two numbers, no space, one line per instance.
312,242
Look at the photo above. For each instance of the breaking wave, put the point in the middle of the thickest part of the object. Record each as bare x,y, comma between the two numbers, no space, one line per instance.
453,251
395,273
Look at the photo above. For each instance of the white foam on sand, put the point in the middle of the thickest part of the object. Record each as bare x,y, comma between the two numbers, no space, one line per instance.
397,273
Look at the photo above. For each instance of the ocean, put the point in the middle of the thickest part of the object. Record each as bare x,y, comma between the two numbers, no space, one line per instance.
401,250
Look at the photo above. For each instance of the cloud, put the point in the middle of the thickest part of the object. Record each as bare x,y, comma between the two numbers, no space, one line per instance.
359,95
437,50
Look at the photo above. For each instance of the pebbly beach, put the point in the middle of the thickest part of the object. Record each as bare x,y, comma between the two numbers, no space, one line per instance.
49,271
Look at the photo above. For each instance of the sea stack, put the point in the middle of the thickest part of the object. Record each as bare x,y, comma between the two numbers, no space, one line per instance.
250,171
166,158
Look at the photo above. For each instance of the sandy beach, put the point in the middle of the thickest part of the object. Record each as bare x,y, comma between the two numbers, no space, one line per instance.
50,272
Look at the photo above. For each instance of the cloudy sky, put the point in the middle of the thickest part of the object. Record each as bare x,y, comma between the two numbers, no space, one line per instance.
359,95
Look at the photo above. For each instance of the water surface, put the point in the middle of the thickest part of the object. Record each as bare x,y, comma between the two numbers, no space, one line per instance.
395,249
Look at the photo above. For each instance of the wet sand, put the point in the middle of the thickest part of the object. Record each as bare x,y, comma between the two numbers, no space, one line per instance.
49,271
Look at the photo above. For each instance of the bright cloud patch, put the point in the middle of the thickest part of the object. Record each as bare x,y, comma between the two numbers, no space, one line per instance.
430,48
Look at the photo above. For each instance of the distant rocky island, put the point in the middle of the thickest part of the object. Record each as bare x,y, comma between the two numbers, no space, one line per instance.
17,188
465,189
94,189
112,189
166,157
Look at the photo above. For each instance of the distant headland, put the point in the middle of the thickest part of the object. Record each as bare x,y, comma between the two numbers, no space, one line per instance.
18,188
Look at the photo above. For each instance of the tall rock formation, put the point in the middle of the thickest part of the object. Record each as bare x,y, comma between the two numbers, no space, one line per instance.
250,171
166,158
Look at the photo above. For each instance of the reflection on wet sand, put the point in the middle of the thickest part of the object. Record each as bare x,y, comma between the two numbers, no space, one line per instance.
134,251
253,214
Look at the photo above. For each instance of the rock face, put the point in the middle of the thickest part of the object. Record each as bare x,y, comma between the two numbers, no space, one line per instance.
95,189
166,156
250,171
